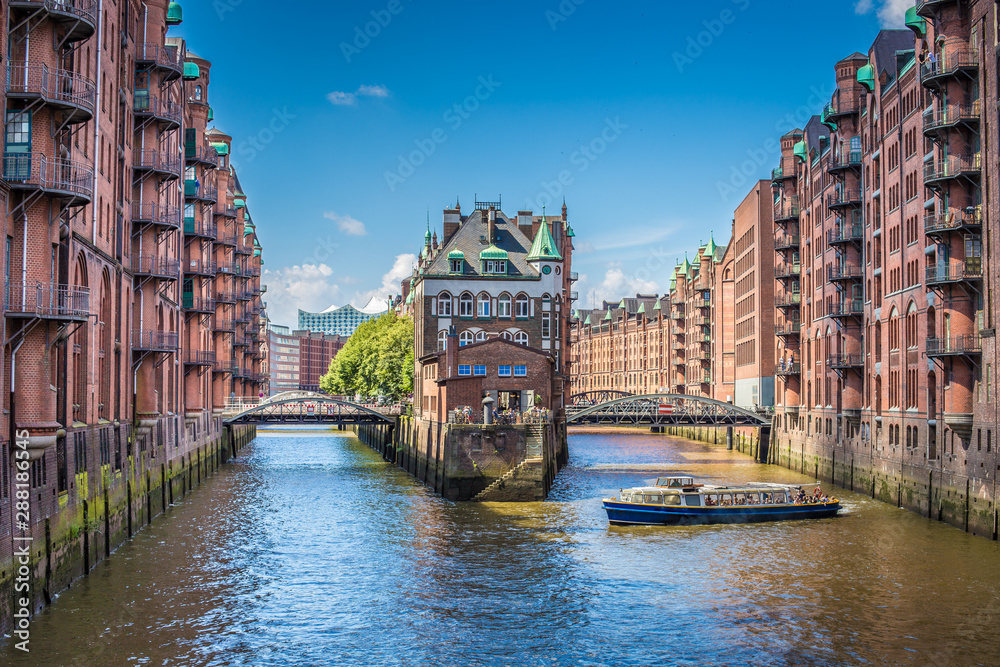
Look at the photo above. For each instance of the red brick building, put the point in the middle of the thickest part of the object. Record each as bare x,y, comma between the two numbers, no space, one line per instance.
886,359
132,298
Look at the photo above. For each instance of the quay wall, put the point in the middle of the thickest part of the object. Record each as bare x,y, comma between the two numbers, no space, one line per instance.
126,478
891,474
466,462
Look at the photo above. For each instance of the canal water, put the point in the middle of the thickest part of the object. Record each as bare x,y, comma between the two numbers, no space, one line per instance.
310,550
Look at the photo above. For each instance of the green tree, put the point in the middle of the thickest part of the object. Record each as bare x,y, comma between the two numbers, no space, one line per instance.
376,361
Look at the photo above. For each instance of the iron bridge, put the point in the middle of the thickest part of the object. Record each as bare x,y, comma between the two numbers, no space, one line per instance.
310,408
663,410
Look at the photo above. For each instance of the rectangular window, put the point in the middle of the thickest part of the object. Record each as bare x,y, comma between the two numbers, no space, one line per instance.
503,371
456,265
444,306
520,371
484,308
480,371
503,308
546,326
464,369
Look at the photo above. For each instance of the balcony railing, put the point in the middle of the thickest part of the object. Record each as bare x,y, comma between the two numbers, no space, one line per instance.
786,242
200,358
47,301
846,197
160,162
574,276
947,64
852,233
789,301
225,297
229,366
200,267
950,116
225,210
955,346
197,304
224,326
155,341
846,272
955,272
226,239
166,58
57,87
157,267
842,107
160,215
54,176
788,368
165,111
79,16
201,155
852,308
954,220
845,361
201,191
845,160
786,209
202,229
788,329
783,271
952,167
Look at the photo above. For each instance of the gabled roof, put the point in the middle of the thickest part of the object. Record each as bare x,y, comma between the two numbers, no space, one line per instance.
470,240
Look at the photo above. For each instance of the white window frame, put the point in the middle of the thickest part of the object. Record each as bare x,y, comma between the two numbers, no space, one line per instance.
521,338
479,370
442,340
522,309
444,304
503,307
465,369
520,371
465,338
483,305
466,305
504,370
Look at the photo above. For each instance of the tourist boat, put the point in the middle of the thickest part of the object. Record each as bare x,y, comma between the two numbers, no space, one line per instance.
679,500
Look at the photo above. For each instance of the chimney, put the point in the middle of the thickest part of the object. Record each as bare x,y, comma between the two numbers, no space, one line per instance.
491,226
452,221
451,352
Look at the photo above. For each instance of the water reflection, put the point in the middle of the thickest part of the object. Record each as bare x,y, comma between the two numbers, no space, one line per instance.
309,550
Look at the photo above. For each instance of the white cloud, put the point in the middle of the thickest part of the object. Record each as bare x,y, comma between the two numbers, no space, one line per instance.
345,99
402,267
309,287
347,224
617,285
891,13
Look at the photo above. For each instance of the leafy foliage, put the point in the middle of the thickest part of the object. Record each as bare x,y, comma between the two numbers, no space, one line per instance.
376,361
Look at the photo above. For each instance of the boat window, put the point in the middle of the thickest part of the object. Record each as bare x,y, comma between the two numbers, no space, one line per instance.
671,499
692,500
663,481
711,499
655,500
753,498
779,498
741,499
726,499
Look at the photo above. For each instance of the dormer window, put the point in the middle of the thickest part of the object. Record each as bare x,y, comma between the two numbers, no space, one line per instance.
456,261
495,267
456,265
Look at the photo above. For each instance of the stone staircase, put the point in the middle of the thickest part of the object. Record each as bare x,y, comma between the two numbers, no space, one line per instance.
510,476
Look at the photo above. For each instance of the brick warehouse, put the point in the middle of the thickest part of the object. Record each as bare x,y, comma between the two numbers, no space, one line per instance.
490,303
132,302
887,366
712,335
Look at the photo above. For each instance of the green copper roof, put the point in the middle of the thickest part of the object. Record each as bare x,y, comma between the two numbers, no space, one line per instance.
211,114
673,284
711,247
621,304
456,254
191,71
916,23
247,231
587,321
866,77
175,14
656,306
256,243
569,232
544,246
256,252
825,118
642,309
801,150
221,148
427,236
686,266
608,316
493,252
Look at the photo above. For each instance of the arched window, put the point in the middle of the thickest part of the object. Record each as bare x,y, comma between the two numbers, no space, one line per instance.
465,305
442,339
444,304
480,336
911,326
521,338
546,302
894,330
484,305
507,335
522,309
465,338
503,307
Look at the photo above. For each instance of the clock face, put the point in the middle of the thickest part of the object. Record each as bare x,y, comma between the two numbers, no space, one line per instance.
546,270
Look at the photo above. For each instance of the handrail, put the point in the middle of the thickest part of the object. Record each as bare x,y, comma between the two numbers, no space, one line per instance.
52,85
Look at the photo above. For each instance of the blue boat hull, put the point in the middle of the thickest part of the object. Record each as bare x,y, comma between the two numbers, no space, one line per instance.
632,514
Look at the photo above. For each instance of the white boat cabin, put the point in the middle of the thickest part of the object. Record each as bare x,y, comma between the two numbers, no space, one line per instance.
687,494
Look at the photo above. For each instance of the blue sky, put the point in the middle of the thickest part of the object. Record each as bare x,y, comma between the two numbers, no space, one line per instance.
639,113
